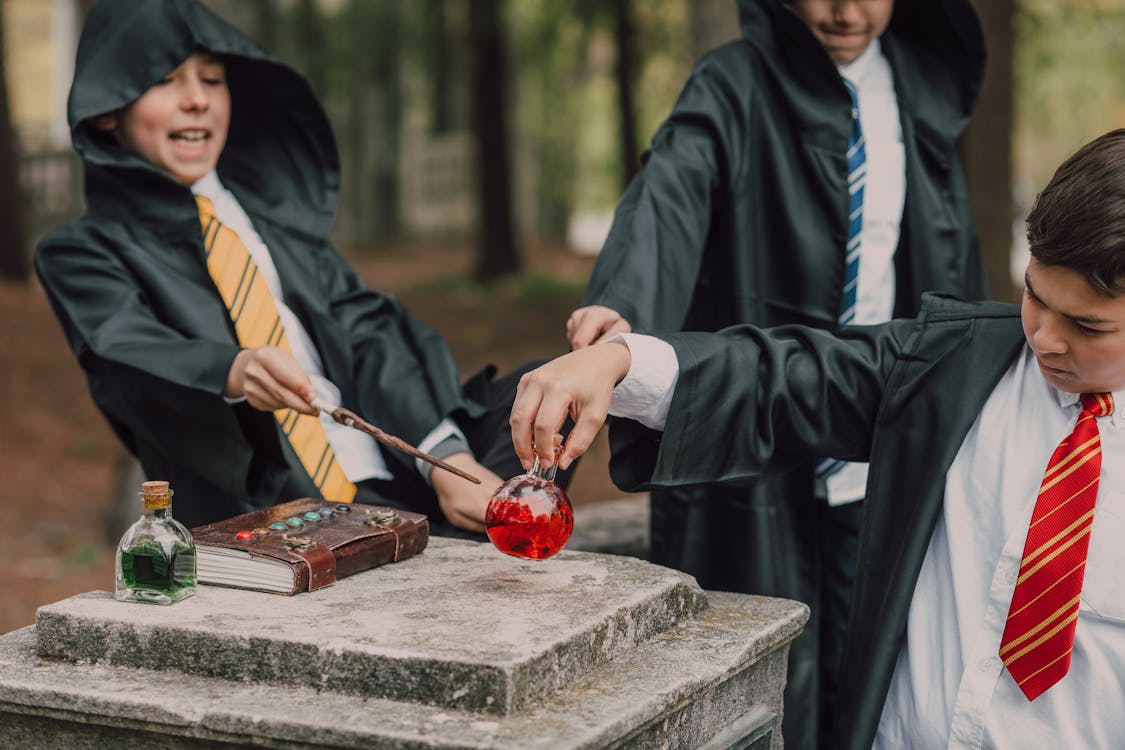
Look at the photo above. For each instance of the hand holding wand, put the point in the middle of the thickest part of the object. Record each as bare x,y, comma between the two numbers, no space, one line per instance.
349,418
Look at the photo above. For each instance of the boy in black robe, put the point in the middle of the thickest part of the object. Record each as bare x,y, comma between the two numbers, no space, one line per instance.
173,110
743,213
989,606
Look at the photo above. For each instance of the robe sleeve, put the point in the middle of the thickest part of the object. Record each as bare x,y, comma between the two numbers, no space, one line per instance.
404,377
648,268
160,389
750,401
106,314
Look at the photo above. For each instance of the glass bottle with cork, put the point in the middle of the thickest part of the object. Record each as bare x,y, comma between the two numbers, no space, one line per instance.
155,560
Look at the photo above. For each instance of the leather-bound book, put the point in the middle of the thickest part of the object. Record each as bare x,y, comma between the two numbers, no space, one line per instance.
305,544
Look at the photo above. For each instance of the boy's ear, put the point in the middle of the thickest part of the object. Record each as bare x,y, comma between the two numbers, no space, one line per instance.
106,122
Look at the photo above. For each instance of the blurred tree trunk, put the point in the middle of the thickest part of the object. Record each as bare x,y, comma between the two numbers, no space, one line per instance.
986,148
713,22
497,253
389,106
436,51
625,72
265,24
15,261
311,43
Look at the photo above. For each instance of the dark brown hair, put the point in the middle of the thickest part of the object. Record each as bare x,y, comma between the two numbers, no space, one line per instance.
1078,221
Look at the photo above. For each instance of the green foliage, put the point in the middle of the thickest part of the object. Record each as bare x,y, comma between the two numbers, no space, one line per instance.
564,55
1069,87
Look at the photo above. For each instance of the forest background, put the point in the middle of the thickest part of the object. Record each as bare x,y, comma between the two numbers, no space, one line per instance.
484,144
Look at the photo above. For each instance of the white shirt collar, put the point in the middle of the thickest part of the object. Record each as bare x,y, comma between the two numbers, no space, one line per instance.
857,69
208,185
1066,399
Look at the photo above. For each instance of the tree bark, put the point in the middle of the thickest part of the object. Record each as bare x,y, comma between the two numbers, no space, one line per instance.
497,253
15,258
312,42
388,79
624,31
986,149
438,60
265,24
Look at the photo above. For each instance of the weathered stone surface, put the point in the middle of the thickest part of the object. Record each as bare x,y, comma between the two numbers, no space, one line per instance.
704,682
618,527
460,626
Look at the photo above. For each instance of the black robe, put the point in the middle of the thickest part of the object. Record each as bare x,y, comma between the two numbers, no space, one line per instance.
902,395
740,215
129,283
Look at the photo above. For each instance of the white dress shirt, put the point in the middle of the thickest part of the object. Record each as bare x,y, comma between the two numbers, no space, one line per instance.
949,688
357,453
884,194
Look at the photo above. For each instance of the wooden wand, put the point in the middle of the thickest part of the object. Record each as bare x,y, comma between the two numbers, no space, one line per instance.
349,418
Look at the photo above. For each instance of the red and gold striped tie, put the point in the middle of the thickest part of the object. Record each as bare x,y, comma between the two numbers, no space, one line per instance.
1039,634
256,323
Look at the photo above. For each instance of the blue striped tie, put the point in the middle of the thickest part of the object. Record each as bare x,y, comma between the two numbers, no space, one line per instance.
857,176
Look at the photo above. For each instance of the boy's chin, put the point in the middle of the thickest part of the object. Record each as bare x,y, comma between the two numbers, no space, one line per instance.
189,176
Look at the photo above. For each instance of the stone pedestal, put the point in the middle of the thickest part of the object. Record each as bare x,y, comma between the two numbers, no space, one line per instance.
459,647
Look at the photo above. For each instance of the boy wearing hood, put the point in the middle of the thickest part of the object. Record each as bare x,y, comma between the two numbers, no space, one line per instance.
197,143
989,607
807,174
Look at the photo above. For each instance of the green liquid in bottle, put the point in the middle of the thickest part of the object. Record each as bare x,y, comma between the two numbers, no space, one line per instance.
148,567
156,555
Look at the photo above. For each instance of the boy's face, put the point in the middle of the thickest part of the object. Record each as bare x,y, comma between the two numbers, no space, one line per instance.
1076,332
846,27
181,123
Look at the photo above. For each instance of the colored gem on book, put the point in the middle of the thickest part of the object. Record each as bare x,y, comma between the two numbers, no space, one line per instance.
278,526
326,512
244,535
312,515
259,531
295,522
342,508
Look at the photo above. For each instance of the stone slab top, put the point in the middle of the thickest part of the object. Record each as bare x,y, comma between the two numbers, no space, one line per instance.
460,626
593,710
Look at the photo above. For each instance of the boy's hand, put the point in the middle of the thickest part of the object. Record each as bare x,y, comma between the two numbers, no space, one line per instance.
270,378
463,502
594,324
579,384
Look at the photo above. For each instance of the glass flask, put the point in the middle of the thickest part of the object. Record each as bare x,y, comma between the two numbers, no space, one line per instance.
155,560
530,516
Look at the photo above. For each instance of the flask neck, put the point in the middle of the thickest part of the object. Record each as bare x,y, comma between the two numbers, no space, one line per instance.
545,474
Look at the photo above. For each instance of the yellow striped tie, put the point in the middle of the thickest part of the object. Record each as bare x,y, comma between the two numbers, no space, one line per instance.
256,323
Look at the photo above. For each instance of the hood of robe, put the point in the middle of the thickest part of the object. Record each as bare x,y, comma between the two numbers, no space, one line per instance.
280,156
943,38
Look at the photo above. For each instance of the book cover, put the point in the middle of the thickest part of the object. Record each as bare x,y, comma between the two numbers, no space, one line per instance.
305,544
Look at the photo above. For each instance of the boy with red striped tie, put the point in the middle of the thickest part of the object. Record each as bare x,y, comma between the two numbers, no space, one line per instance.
989,608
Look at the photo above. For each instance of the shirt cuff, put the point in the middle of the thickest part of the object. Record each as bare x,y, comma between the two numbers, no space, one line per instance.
442,442
645,393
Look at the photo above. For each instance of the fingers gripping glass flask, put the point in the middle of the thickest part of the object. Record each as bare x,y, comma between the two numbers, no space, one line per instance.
530,516
155,560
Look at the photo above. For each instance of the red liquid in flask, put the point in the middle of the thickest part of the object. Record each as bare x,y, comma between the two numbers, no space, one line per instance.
529,517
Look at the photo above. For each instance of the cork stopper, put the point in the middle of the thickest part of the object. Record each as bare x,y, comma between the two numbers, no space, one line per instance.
558,440
156,494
